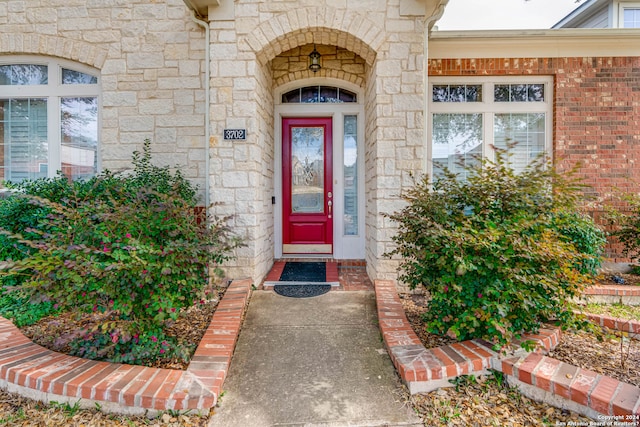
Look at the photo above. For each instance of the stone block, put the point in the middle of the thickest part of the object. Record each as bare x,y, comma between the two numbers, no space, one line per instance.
119,99
179,82
136,123
189,68
155,106
141,60
235,179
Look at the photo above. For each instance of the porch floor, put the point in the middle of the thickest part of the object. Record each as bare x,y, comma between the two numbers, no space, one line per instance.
351,274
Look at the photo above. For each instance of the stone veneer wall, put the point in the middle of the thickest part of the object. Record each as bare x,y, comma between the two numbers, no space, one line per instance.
596,117
150,58
262,39
150,61
338,63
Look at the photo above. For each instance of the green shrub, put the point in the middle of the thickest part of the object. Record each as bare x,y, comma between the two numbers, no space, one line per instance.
119,345
499,252
24,311
626,223
127,244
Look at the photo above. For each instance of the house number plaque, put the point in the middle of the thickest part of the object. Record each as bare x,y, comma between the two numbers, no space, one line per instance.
235,134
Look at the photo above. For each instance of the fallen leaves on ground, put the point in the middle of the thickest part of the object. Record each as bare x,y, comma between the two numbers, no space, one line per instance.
614,279
617,357
618,311
415,305
18,411
56,332
485,403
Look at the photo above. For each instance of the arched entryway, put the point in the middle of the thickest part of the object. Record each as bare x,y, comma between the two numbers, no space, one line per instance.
319,169
362,53
337,227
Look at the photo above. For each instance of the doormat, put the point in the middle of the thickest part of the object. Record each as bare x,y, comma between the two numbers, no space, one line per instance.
301,291
304,272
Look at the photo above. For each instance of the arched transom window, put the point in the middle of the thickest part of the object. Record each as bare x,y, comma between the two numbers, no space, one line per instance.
48,119
319,94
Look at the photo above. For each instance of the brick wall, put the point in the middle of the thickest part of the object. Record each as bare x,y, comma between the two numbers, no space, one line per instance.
596,117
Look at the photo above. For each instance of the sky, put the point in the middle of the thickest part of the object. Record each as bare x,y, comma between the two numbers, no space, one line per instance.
504,14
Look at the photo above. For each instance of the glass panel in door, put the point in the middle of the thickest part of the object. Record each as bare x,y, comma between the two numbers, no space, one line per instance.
307,170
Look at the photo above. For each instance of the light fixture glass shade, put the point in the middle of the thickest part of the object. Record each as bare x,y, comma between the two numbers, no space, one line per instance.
314,60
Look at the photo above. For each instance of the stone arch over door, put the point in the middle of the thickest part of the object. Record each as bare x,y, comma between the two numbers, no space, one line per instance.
321,25
347,31
391,46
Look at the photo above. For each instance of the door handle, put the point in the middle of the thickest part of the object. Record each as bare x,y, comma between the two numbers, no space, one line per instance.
330,204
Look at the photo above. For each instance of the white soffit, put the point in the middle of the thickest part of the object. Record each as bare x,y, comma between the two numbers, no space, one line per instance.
420,7
201,6
534,43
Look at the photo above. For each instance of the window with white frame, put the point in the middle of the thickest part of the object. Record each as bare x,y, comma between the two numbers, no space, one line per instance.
48,119
471,117
627,14
630,15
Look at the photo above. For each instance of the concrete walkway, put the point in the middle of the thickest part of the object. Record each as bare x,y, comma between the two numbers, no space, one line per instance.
312,362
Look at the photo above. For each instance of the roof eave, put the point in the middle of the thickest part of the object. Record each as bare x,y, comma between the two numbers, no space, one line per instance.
201,7
578,13
535,33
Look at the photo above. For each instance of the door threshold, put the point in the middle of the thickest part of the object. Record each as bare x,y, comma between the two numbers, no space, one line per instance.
307,249
331,274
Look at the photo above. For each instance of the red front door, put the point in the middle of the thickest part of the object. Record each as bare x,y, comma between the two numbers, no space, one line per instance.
307,186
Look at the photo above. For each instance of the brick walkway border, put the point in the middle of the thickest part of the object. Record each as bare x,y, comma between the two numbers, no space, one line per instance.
558,383
614,290
613,294
35,372
623,294
630,326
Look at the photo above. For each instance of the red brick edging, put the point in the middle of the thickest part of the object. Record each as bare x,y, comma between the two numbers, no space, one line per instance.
614,290
630,326
33,371
613,294
278,267
424,369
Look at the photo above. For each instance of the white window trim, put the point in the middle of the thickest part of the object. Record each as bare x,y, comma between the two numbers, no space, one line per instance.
488,107
344,247
620,7
53,91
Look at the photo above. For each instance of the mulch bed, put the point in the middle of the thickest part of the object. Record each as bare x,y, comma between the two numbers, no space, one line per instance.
17,411
614,279
485,402
481,402
55,332
612,355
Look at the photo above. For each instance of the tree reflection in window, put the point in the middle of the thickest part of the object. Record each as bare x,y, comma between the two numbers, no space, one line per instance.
23,75
318,94
27,149
72,77
519,93
307,169
457,141
523,135
457,93
79,132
